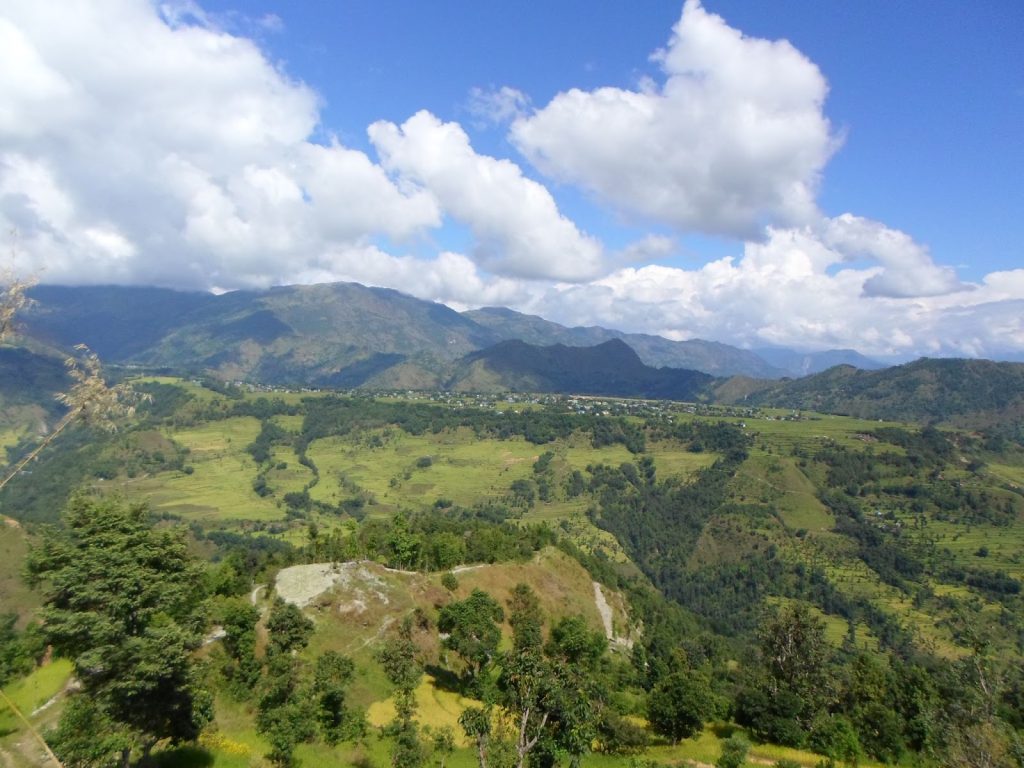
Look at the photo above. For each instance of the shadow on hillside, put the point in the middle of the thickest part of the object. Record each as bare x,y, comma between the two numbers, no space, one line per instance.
183,757
444,679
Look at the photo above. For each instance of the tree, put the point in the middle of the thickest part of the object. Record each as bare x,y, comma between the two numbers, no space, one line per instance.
285,712
121,601
403,669
790,686
330,680
734,752
442,743
679,705
289,629
239,643
549,699
472,629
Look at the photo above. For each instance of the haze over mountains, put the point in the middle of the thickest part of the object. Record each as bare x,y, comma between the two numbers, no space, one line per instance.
345,334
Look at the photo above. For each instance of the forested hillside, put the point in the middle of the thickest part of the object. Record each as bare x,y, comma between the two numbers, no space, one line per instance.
960,392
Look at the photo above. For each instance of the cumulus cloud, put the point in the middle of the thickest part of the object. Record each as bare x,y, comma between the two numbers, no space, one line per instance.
908,267
797,289
516,221
733,138
451,278
146,145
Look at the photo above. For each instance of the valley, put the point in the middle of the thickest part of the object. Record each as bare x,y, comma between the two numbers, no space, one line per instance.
699,523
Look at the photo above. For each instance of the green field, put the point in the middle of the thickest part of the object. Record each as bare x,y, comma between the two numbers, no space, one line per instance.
461,468
220,486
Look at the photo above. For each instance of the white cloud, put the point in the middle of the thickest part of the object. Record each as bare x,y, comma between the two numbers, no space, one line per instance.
497,105
734,138
147,145
909,269
450,278
516,221
796,289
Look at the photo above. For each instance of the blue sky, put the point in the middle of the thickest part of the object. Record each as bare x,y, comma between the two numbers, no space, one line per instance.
929,95
655,166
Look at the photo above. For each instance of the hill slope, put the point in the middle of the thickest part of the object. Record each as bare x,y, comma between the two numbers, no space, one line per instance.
964,392
611,368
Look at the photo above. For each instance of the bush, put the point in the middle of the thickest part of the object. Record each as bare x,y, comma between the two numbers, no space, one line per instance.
450,581
734,752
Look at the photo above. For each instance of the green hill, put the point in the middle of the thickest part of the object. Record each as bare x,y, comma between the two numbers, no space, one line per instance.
610,368
961,392
340,334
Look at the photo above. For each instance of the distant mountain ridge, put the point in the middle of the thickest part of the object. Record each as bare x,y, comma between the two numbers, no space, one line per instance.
806,363
611,368
336,334
345,335
694,354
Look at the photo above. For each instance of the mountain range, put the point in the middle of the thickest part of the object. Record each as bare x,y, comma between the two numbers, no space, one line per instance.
345,335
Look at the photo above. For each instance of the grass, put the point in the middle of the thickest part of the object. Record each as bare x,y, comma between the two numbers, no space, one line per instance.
10,436
461,468
1007,473
293,478
778,480
29,695
38,687
15,596
436,708
836,628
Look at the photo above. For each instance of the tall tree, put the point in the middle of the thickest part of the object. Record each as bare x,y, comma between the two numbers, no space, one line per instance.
121,601
680,704
790,685
330,682
288,627
404,670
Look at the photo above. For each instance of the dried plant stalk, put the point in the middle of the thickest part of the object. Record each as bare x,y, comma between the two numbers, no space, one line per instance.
89,400
12,300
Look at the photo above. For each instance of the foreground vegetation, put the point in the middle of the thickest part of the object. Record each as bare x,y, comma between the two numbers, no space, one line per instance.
535,581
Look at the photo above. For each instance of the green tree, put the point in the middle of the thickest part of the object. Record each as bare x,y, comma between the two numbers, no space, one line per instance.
734,752
15,657
121,600
476,723
330,682
442,743
473,630
680,704
239,623
285,714
289,629
791,685
85,736
404,670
